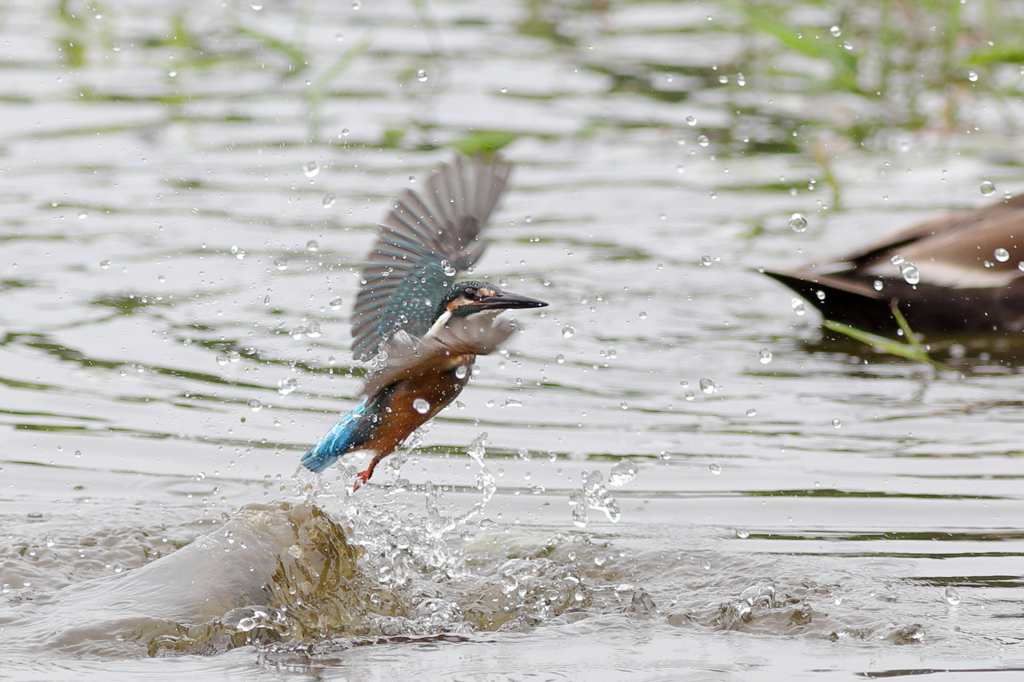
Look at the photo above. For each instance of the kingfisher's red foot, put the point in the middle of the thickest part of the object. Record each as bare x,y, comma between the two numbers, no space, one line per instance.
362,478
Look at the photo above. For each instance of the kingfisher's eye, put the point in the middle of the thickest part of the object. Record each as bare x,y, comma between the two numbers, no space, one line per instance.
471,294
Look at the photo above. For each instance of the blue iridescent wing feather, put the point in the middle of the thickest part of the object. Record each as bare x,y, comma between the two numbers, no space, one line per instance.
424,241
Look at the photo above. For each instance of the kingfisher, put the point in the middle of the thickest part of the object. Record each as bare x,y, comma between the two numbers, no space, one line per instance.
421,326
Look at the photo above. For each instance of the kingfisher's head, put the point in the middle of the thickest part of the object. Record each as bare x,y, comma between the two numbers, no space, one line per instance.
472,297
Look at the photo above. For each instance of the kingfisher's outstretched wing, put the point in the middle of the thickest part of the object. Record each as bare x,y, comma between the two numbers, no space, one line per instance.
410,359
424,242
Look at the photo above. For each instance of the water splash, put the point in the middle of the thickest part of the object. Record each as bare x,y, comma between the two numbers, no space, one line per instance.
622,473
597,497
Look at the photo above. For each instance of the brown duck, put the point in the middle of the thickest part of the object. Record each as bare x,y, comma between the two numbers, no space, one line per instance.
961,273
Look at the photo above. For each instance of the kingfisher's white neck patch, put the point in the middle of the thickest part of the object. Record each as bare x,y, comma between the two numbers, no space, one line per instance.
436,328
439,325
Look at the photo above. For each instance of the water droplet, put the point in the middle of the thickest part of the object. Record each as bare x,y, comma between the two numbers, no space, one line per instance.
680,169
1002,255
987,187
172,74
742,533
624,405
836,423
256,6
560,359
741,80
82,215
897,259
461,372
972,76
281,262
764,355
877,285
312,246
798,306
715,468
329,200
910,273
703,141
568,331
78,453
705,564
287,385
691,121
104,264
335,303
356,5
311,169
952,596
835,31
798,222
580,518
706,261
1020,266
421,405
751,412
643,315
255,405
622,473
421,76
708,386
723,79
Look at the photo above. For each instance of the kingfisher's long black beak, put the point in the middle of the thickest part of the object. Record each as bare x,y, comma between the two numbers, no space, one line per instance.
506,300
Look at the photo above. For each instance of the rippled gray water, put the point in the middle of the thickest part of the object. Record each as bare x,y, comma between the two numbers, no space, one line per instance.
186,193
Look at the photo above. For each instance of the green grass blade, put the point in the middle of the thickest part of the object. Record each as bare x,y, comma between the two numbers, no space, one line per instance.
908,333
882,343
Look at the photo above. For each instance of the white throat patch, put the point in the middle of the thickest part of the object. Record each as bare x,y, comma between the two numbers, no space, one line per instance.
447,315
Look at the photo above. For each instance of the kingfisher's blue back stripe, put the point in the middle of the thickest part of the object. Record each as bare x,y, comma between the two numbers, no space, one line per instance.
336,443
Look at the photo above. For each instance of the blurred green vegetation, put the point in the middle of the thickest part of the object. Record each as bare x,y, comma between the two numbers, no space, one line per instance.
904,65
903,45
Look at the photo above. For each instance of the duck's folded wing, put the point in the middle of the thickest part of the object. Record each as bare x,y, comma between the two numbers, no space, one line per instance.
987,254
425,241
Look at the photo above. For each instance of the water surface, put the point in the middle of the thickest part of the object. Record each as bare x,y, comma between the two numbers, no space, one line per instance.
188,192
